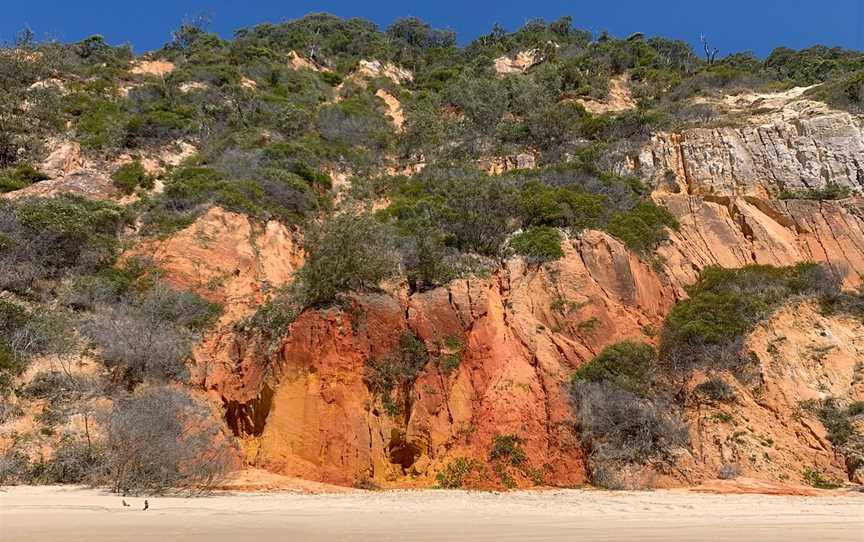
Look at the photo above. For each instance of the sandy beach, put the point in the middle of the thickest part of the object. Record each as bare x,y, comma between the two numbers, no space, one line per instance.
73,514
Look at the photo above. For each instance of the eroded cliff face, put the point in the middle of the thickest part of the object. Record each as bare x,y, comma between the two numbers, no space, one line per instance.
301,406
305,410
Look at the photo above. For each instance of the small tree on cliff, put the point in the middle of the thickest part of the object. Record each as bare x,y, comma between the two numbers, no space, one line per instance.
397,371
349,252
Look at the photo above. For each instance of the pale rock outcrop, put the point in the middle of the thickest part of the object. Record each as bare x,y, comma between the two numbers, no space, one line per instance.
503,164
192,86
522,62
157,68
84,182
64,159
370,69
394,108
619,98
804,145
50,84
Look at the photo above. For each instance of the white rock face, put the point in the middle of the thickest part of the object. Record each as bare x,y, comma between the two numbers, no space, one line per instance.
519,64
803,145
64,159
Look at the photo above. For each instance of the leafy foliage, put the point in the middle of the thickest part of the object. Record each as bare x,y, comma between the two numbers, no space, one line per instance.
538,244
130,176
397,371
347,253
21,176
725,304
627,365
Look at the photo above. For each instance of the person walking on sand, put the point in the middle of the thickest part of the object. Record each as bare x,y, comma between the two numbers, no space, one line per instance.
146,504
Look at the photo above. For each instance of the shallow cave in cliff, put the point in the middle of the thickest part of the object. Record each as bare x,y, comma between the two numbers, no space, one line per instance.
402,452
249,418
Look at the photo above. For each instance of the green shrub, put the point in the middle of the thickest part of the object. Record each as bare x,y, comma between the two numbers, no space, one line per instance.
68,231
836,418
538,244
458,473
19,177
397,371
347,253
400,368
560,206
725,303
816,479
101,122
331,78
627,365
192,189
643,227
508,448
845,92
131,176
11,366
274,316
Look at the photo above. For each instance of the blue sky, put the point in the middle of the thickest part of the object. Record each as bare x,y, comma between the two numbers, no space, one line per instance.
732,25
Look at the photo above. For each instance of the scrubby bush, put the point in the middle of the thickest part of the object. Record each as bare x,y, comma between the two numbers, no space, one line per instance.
459,473
273,317
19,177
190,190
729,471
507,456
831,191
642,228
818,480
627,365
617,427
138,345
349,252
149,335
538,244
508,448
162,439
715,389
105,287
46,238
725,304
836,417
561,206
75,461
24,334
131,176
844,92
397,371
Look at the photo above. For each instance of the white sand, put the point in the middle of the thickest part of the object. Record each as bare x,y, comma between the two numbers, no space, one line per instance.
73,514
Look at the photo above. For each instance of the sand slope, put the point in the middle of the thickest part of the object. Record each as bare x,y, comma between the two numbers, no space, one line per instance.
72,514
